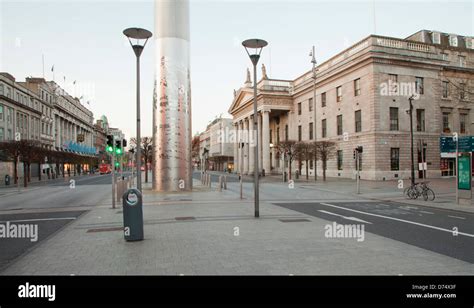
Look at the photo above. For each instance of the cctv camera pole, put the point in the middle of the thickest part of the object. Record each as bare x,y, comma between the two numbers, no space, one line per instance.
411,142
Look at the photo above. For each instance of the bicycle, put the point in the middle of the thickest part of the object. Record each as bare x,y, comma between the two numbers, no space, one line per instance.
419,189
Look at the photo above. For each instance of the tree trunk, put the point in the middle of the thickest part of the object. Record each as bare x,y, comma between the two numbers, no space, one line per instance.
63,171
39,171
289,169
324,170
15,171
315,166
146,170
29,171
25,178
307,170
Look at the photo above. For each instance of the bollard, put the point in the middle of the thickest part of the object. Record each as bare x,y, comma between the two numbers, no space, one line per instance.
209,180
225,182
220,182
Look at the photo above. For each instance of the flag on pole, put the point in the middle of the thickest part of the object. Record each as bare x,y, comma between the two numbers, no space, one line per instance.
74,82
52,68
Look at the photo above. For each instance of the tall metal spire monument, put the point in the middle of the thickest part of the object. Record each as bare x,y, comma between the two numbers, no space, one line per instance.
172,169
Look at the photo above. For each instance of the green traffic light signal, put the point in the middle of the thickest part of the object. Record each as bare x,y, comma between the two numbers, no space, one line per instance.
118,151
117,164
109,149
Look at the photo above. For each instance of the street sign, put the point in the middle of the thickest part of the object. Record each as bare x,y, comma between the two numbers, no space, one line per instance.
464,172
448,145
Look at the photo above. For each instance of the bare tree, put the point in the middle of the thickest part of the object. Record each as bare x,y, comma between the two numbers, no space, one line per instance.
289,149
147,152
195,146
325,150
305,152
24,150
12,152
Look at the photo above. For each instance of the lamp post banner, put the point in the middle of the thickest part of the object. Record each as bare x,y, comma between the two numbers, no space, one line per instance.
172,170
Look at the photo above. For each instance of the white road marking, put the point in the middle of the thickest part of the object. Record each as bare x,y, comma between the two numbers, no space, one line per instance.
458,217
398,219
407,207
41,219
383,204
425,212
349,218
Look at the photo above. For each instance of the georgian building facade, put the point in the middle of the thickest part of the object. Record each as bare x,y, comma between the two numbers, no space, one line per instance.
40,110
216,152
361,100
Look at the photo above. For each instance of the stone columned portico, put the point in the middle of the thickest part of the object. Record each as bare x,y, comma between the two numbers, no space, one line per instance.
273,106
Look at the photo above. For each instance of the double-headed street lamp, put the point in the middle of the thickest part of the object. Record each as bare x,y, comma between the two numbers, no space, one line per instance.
255,46
141,37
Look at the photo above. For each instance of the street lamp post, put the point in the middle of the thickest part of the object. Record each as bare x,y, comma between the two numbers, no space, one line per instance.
141,36
410,99
257,46
313,61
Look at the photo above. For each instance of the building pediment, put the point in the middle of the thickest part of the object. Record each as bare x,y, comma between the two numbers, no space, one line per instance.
242,97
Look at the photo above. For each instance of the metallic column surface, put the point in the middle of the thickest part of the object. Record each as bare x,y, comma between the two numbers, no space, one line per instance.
172,170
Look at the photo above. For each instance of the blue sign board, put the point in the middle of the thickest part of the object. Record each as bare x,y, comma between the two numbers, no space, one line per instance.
448,145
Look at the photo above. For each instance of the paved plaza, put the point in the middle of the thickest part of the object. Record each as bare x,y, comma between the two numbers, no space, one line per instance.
211,232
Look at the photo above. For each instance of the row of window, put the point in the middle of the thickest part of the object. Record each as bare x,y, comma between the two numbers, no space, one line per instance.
394,160
393,82
461,90
357,128
357,92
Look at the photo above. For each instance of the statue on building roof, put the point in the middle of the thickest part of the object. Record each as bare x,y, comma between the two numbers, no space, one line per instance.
248,76
264,72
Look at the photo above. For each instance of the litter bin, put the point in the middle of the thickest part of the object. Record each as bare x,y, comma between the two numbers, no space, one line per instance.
297,174
263,172
132,215
7,179
284,176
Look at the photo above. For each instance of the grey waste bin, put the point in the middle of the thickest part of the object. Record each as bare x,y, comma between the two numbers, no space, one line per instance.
7,179
132,215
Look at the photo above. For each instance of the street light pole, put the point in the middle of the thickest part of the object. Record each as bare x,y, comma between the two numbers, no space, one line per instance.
410,99
258,45
138,34
315,131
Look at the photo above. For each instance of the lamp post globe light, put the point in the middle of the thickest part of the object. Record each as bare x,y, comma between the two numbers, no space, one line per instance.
254,47
138,38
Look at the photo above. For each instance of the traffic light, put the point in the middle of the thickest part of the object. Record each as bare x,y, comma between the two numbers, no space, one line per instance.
360,149
110,144
354,153
124,143
118,147
117,164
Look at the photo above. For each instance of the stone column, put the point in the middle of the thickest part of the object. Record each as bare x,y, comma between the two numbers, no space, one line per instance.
266,141
236,148
246,146
252,144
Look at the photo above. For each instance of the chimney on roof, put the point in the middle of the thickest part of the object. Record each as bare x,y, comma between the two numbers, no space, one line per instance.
35,80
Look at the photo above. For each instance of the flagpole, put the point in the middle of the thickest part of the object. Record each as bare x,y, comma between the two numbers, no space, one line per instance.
43,65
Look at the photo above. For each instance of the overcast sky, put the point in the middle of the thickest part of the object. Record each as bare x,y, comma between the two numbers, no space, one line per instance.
83,40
